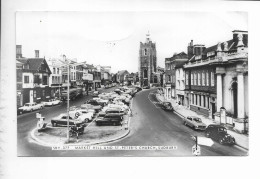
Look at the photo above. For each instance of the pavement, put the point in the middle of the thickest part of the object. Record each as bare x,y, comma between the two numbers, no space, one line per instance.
241,139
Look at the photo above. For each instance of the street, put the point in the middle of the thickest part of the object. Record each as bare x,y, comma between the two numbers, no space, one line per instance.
150,126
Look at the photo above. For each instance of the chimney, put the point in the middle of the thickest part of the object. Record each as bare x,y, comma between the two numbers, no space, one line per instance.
190,49
18,51
36,53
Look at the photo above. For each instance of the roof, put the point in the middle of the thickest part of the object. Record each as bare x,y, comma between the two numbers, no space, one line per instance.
34,63
122,72
181,55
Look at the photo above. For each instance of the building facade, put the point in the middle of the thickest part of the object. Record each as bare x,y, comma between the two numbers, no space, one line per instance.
33,79
147,62
55,79
170,74
217,78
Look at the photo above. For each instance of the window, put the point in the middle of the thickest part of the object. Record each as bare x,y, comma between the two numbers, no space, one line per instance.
145,51
34,94
207,78
199,79
212,79
169,78
187,79
191,78
54,70
26,79
37,79
203,79
58,71
44,80
195,79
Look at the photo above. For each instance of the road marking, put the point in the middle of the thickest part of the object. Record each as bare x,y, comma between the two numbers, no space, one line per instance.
152,101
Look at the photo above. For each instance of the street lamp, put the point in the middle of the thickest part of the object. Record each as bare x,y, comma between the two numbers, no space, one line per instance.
68,97
67,63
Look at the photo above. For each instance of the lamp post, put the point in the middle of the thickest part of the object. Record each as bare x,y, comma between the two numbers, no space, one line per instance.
68,98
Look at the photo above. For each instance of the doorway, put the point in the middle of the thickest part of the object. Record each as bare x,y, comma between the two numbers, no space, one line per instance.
213,106
234,90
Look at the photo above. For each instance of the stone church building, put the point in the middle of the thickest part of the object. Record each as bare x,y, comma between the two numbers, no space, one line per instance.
148,63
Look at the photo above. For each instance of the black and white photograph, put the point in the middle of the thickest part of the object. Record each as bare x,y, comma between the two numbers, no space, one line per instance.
132,84
115,87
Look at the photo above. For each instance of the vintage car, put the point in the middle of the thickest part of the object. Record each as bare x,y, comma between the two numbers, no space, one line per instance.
219,133
30,107
146,87
61,120
167,106
51,102
95,94
110,119
97,108
101,114
94,102
81,114
194,122
101,101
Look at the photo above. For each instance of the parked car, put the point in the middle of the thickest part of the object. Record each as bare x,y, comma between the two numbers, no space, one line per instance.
219,133
94,102
51,102
146,87
101,101
82,114
101,114
19,111
138,89
194,122
97,108
30,107
110,119
95,94
167,106
61,120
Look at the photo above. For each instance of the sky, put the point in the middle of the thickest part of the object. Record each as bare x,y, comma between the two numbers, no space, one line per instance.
113,38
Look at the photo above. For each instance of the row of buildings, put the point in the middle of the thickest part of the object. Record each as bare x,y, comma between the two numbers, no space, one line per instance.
39,79
209,80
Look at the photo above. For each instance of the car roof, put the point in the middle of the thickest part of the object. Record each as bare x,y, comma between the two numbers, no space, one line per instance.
113,114
216,125
193,117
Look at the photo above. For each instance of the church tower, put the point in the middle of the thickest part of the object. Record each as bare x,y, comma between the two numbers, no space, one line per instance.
147,62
